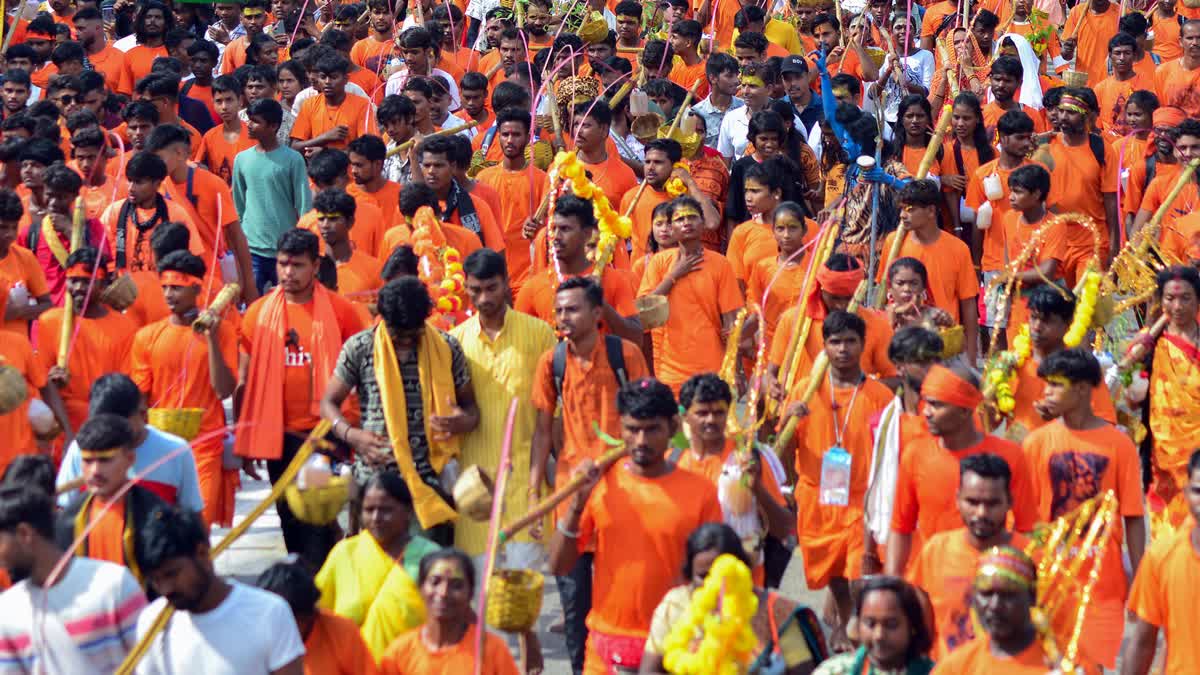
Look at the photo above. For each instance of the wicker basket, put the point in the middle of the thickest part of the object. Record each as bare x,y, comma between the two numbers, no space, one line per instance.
473,493
653,310
542,154
121,293
645,127
1075,78
318,505
13,390
514,600
183,422
953,340
594,30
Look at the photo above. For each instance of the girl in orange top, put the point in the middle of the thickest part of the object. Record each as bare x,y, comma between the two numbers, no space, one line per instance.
775,283
968,150
753,240
332,644
446,643
914,130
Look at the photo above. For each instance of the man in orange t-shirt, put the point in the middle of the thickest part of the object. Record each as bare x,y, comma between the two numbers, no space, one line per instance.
176,367
19,267
366,155
1113,92
253,19
1080,457
332,118
373,51
833,463
703,294
329,169
1004,78
637,517
151,23
1083,170
104,58
953,286
1090,25
131,221
945,565
223,142
16,433
586,394
436,169
1176,82
592,121
923,507
357,271
1165,594
1187,148
688,70
661,156
574,225
522,185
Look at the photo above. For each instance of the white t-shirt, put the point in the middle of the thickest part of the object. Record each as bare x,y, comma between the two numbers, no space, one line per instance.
252,632
82,624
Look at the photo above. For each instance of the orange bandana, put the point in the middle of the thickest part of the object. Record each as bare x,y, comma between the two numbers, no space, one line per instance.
80,271
175,278
941,384
833,283
1168,116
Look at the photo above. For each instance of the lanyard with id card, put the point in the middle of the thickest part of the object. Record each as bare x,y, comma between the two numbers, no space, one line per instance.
836,463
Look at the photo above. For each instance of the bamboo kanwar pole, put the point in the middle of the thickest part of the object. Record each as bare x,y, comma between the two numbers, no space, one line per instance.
289,474
1184,177
547,505
403,147
68,321
815,375
791,358
621,94
212,314
69,486
931,151
1138,351
687,100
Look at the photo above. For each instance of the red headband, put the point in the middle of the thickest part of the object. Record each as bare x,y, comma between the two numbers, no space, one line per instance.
941,384
174,278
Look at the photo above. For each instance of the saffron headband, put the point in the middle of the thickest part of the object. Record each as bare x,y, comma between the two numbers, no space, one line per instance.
79,271
942,384
174,278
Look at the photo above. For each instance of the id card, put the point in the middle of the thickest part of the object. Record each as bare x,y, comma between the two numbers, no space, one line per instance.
835,477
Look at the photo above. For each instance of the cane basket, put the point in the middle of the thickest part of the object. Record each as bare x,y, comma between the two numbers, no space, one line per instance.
653,310
13,390
182,422
121,293
514,600
318,505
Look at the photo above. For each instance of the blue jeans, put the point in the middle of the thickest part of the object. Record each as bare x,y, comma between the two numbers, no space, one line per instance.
575,594
264,271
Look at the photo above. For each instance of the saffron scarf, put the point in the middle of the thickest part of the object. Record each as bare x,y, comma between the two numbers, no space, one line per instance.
83,519
437,398
262,401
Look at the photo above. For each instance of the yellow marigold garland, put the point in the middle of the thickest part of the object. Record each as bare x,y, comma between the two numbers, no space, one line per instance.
719,619
1085,309
1000,376
440,268
614,227
676,187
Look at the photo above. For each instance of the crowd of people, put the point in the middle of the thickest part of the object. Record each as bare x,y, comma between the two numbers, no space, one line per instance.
836,278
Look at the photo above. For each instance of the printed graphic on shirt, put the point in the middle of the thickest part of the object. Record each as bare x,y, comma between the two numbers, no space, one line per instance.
1075,477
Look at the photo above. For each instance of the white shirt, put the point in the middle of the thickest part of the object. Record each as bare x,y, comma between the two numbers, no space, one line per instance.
252,632
735,127
396,81
126,43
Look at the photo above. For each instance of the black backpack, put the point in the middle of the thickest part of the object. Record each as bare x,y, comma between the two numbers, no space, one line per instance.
616,361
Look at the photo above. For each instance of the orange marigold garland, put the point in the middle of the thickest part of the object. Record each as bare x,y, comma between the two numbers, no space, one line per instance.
440,269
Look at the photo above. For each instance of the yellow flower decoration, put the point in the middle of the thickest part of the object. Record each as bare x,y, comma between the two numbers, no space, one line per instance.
1085,309
614,228
1000,375
674,186
717,622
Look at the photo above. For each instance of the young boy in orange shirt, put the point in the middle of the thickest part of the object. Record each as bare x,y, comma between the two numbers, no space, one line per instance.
357,271
1029,187
332,118
222,143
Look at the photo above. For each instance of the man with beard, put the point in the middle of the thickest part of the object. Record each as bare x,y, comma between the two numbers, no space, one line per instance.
89,30
1186,148
1083,170
1165,594
1003,594
537,16
229,627
945,565
456,205
1078,457
950,397
1159,161
636,517
379,45
106,519
150,28
583,373
102,595
253,21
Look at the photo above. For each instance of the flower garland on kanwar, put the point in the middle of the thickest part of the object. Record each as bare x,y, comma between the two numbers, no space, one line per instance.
614,228
440,268
714,635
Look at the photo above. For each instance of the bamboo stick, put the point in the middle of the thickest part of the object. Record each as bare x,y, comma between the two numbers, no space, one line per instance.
1138,351
547,505
1184,176
68,322
403,147
212,314
289,474
69,486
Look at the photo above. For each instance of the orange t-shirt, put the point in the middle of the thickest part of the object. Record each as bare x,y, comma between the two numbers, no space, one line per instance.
1135,159
466,241
992,112
948,262
589,394
359,274
1078,183
336,647
19,266
945,569
993,237
16,433
150,305
612,176
217,153
489,195
106,541
1160,188
298,405
100,346
874,360
642,216
1165,594
911,159
1177,86
1073,466
96,198
386,199
785,284
234,54
1182,238
1029,390
204,94
138,254
685,76
366,234
489,228
408,655
949,165
317,116
831,536
537,295
721,19
369,82
928,478
212,209
1112,95
1167,42
521,189
750,242
1093,31
639,527
367,53
691,338
109,62
976,658
138,62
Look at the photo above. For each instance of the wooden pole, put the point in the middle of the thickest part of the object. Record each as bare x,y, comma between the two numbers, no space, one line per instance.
403,147
547,505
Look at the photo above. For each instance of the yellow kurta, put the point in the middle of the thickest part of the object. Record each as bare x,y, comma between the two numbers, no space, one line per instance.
501,369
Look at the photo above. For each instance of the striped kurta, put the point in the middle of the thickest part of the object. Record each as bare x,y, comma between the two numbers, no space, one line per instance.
501,369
